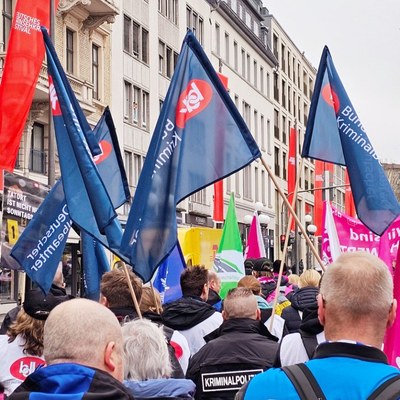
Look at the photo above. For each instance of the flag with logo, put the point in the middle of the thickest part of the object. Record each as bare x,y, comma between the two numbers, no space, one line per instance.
199,138
88,201
255,243
167,279
335,134
229,262
25,52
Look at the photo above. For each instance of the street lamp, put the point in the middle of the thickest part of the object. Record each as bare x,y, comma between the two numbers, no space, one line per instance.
264,221
311,229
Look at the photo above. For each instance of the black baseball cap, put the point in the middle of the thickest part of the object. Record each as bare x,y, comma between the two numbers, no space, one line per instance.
38,305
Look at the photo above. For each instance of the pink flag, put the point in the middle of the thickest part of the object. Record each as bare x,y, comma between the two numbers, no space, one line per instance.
392,339
255,244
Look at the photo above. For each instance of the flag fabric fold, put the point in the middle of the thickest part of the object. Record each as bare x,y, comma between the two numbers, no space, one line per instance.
199,138
330,239
335,134
292,170
167,279
229,262
255,244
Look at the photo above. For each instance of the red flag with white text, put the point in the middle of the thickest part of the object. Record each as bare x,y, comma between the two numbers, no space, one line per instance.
292,168
23,61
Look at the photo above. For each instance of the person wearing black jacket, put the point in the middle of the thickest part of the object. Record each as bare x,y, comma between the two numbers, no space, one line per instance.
239,349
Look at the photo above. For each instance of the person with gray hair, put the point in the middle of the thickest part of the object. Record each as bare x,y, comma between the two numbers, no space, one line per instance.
350,364
82,341
147,364
239,349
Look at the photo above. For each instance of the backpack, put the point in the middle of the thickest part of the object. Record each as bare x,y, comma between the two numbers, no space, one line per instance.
308,388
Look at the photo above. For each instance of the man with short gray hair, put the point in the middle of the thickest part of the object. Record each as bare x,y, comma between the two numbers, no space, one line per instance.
83,349
239,349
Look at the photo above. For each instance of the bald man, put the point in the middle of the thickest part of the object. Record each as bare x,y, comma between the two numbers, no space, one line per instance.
240,348
83,349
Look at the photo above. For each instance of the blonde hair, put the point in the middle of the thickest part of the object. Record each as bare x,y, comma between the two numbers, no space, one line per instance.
250,282
31,331
151,300
293,279
240,303
309,278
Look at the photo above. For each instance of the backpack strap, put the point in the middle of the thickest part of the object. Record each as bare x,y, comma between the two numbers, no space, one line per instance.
304,382
310,343
389,390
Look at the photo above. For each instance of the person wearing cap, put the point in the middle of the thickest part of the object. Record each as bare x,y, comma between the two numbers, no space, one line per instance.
83,350
21,350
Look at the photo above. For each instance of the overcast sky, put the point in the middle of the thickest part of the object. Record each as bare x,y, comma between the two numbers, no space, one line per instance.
363,37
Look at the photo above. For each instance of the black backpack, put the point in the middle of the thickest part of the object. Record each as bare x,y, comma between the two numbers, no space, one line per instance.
308,388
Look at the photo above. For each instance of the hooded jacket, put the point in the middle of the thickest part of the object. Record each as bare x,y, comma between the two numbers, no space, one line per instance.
239,349
301,299
192,317
71,382
161,388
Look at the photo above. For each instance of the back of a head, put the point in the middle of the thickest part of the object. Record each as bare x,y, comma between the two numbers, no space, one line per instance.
78,331
309,278
240,303
277,266
145,351
250,282
193,279
349,301
115,289
151,301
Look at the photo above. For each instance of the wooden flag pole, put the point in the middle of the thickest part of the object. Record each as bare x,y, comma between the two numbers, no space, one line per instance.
290,208
128,279
155,298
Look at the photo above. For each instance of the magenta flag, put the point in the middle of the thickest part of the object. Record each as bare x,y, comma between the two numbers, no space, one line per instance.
255,244
392,339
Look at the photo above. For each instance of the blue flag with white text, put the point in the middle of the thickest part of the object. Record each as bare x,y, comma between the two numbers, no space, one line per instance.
167,280
88,201
335,134
199,139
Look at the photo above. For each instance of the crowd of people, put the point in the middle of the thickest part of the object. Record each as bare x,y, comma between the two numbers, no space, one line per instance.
203,347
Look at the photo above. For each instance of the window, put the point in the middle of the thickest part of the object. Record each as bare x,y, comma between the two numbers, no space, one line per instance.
169,62
255,125
95,71
284,93
129,175
263,187
217,40
275,45
145,46
70,50
195,23
243,63
263,138
127,33
145,109
276,87
136,40
167,59
256,186
269,137
247,183
7,21
199,197
235,56
276,124
262,79
283,58
255,72
246,113
227,48
169,9
136,106
284,136
37,159
127,101
138,161
161,57
268,85
276,161
248,68
284,166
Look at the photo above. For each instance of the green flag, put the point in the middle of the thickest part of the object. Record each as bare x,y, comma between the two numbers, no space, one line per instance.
229,263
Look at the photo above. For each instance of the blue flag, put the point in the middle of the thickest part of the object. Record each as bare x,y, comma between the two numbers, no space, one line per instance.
167,280
40,247
199,138
89,204
95,264
335,134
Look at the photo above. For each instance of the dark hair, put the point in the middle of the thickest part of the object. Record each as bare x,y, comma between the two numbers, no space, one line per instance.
277,266
115,289
193,279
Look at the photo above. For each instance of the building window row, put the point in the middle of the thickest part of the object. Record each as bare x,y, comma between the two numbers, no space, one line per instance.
195,23
136,39
169,9
167,59
136,106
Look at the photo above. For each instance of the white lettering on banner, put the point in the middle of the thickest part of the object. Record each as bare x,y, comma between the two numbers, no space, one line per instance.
351,249
229,380
24,23
364,237
52,239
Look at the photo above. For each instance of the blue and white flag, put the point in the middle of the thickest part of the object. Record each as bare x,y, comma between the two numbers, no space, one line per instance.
335,134
88,201
199,139
167,280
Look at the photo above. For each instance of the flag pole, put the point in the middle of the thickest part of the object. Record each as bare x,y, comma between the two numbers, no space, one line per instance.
155,298
285,247
290,208
128,280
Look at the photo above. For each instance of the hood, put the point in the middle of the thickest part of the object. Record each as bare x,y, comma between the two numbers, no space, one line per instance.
157,388
186,313
304,298
310,322
124,314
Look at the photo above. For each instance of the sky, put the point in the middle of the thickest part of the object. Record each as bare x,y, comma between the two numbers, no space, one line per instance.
363,37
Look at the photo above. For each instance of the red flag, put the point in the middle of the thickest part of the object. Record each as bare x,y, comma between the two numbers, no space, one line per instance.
22,66
318,196
350,208
392,339
218,215
292,168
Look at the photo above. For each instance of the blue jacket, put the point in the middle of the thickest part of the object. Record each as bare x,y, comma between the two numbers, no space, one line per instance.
70,382
165,388
343,370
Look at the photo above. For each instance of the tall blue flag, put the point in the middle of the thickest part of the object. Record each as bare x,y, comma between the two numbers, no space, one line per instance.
199,138
41,245
167,280
335,134
89,204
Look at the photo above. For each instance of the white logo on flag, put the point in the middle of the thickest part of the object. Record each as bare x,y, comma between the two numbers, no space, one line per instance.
53,96
192,100
292,160
25,23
